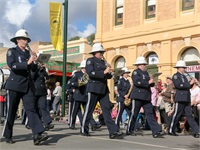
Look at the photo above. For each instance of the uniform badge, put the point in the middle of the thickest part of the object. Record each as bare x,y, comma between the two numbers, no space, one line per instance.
88,62
93,73
134,73
175,77
119,82
14,66
139,82
68,82
9,53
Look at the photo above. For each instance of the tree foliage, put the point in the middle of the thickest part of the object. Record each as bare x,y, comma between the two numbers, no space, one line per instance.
74,38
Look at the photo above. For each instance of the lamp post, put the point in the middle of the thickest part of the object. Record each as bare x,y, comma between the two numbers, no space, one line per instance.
64,57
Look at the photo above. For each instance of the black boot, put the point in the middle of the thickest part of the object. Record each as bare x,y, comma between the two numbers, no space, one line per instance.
38,138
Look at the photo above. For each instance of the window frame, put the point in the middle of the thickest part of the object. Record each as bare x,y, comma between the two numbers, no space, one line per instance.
147,10
187,8
116,14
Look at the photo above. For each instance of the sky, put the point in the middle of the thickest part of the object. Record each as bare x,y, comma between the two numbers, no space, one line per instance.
33,15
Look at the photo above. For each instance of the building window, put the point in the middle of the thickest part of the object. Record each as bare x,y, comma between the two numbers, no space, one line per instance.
187,4
119,12
152,58
191,54
150,9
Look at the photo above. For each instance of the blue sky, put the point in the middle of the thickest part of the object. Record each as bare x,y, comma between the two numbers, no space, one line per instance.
33,15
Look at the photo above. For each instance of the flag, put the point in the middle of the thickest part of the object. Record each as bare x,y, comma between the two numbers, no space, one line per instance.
56,25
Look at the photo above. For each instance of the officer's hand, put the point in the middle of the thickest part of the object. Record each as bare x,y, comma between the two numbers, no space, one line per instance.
126,96
107,70
151,81
32,59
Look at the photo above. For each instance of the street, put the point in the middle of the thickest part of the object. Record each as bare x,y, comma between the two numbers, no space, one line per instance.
63,138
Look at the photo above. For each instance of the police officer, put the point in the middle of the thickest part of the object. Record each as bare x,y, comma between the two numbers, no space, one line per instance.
40,77
79,83
20,85
182,100
70,91
123,90
141,97
99,71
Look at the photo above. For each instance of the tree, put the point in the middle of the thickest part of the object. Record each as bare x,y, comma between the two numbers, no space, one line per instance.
74,38
91,38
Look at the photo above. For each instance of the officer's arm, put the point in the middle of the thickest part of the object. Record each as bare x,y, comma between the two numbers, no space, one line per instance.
92,72
13,63
179,84
120,87
138,82
74,81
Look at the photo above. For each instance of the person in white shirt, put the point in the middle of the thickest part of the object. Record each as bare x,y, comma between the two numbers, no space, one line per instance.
48,98
56,103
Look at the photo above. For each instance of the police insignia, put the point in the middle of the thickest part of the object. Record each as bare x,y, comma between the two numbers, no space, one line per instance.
175,76
93,73
118,82
88,62
134,73
9,53
68,82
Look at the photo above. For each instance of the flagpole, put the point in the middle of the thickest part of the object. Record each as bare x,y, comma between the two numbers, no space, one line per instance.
64,57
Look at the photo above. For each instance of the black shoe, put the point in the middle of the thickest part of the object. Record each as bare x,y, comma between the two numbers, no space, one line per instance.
73,128
27,127
10,141
95,127
48,127
85,134
130,133
172,134
158,134
116,135
39,138
197,135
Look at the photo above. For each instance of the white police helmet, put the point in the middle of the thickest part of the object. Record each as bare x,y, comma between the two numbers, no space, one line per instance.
83,64
180,64
125,70
140,60
97,47
20,33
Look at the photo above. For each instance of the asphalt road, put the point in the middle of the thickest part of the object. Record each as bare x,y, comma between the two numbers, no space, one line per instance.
63,138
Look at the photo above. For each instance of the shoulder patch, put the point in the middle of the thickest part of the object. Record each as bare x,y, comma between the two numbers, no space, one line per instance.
135,73
68,82
88,62
9,52
93,73
175,77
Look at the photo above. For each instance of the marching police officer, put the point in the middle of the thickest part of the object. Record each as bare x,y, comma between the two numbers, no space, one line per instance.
141,97
182,100
79,82
40,77
98,71
123,90
20,85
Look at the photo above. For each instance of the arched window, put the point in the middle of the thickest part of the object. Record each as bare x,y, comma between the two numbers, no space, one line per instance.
120,62
152,58
191,54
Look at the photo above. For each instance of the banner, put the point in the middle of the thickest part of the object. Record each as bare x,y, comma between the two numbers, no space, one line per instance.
56,25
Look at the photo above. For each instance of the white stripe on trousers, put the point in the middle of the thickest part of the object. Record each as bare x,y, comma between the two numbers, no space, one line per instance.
119,108
71,114
173,118
86,112
132,114
7,101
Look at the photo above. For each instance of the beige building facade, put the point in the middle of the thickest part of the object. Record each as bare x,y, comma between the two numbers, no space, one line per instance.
163,31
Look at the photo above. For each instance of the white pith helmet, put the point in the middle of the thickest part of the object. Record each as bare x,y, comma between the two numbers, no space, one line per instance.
125,70
180,64
20,33
97,47
83,64
140,60
73,72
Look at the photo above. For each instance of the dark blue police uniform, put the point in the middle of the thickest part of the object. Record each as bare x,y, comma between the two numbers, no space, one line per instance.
19,85
182,103
141,97
40,77
98,91
123,89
